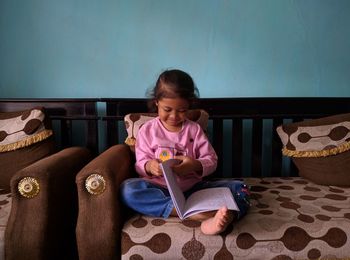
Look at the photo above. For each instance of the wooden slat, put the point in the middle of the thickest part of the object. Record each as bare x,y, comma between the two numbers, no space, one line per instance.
92,136
92,140
112,129
238,109
293,171
218,144
276,149
66,133
237,147
257,148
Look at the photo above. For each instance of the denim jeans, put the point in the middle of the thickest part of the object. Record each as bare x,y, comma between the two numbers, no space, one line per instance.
153,200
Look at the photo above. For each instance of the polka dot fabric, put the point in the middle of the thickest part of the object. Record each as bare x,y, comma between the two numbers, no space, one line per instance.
133,122
23,128
320,148
290,218
5,208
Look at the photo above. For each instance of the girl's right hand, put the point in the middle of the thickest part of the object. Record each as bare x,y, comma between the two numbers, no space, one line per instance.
153,168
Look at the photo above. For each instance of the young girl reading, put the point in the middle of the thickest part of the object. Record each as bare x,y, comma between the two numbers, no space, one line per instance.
172,135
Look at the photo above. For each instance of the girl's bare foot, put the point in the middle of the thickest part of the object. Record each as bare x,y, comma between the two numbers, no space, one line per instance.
218,223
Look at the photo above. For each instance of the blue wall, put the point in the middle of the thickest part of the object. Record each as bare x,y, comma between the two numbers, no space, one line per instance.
232,48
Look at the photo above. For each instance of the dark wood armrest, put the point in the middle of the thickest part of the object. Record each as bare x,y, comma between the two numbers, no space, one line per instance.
42,226
100,218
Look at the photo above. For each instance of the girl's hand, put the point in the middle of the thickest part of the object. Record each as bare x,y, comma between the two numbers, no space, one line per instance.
187,164
153,168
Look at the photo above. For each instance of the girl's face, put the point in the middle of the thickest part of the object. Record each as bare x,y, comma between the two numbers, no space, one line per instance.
172,112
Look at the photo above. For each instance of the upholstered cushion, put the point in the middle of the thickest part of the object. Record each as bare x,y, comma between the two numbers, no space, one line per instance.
22,128
25,137
5,208
290,218
134,121
320,148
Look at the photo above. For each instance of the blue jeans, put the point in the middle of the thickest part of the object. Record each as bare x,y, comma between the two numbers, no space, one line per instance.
153,200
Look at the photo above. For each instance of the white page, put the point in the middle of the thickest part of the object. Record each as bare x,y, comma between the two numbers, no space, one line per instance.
175,192
208,200
200,201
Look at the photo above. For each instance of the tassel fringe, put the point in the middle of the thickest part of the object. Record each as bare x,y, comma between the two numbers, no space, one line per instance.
323,153
26,142
130,141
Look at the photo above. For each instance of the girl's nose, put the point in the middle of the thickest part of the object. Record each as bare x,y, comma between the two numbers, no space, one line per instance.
174,114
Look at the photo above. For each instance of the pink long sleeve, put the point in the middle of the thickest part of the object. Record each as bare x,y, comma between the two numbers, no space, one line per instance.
154,141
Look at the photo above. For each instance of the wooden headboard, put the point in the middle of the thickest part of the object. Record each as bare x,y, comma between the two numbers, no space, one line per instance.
242,130
65,113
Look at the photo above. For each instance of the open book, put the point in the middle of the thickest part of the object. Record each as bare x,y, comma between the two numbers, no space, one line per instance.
199,201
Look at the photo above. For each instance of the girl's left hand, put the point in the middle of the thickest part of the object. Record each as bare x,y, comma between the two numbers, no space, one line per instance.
187,165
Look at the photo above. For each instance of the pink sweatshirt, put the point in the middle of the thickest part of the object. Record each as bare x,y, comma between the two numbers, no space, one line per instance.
155,141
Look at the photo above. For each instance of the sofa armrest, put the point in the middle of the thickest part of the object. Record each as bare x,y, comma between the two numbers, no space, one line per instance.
100,218
42,225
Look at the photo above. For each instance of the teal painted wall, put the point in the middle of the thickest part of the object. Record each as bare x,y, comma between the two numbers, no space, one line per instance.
232,48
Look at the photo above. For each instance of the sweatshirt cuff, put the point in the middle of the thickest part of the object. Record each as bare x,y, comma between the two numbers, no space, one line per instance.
208,167
140,168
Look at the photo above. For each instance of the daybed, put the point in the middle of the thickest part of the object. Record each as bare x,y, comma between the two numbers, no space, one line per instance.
291,217
38,205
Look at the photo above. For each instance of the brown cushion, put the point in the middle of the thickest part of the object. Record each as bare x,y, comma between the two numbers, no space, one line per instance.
319,148
134,121
25,137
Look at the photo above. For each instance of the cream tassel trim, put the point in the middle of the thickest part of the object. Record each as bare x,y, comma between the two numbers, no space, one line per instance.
26,142
323,153
130,141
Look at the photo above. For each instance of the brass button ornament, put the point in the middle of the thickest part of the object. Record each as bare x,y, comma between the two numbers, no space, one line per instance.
28,187
95,184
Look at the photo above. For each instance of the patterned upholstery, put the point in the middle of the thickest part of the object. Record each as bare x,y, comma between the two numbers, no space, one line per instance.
25,137
23,128
317,137
290,218
320,148
133,122
5,208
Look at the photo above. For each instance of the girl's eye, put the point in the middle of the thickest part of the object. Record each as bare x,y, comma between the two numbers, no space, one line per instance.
167,109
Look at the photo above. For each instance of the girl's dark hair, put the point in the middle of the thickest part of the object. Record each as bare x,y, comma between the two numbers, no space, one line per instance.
173,84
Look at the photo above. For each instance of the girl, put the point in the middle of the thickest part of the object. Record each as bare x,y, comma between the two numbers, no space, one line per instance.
171,135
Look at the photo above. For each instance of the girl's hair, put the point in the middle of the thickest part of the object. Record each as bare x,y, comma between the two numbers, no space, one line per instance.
173,84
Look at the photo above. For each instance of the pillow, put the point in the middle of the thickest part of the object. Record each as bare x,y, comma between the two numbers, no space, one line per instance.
25,137
320,148
134,121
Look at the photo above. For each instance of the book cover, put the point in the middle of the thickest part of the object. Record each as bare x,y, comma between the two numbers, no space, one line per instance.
200,201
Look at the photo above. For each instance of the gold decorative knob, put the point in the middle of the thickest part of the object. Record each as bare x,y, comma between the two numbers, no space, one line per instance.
95,184
28,187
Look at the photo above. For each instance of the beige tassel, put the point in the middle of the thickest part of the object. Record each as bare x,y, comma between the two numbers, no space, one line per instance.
130,141
323,153
26,142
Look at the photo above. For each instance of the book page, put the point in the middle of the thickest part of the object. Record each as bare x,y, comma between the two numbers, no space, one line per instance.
175,192
208,200
200,201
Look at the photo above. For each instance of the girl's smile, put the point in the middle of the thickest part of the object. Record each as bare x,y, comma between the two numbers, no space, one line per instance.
172,112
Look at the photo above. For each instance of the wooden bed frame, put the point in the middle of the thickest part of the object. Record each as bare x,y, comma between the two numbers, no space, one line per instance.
237,132
239,127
